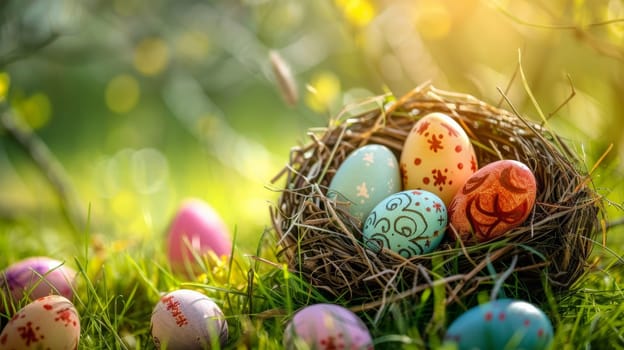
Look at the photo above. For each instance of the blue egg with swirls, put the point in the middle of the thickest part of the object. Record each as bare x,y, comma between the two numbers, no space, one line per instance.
409,223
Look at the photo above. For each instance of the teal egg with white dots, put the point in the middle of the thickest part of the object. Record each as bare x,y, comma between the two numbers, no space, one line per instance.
501,324
368,175
410,223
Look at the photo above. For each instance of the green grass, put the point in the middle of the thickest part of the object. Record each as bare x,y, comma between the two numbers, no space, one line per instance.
118,287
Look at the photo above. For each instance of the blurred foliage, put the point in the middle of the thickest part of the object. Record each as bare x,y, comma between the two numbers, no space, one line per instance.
145,103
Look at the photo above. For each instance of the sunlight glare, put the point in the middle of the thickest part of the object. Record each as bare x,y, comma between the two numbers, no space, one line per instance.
357,12
433,20
323,91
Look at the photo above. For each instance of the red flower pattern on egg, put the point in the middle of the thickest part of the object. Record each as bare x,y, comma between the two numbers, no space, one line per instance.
29,333
435,143
437,156
422,127
187,319
50,322
452,132
326,327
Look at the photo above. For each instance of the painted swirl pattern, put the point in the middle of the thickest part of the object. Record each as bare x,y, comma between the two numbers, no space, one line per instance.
409,223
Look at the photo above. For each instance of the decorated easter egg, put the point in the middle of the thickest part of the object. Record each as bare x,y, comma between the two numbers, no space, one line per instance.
501,324
437,156
196,230
50,322
409,223
326,326
36,277
495,199
186,319
365,177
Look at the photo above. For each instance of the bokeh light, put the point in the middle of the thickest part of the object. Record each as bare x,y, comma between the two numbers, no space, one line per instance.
122,93
34,110
433,19
357,12
150,170
5,83
323,91
192,46
151,56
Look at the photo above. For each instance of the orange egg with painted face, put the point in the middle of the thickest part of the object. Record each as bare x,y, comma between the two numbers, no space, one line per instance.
497,198
437,157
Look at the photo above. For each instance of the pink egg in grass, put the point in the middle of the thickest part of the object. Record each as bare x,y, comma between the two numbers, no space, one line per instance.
37,277
195,231
326,326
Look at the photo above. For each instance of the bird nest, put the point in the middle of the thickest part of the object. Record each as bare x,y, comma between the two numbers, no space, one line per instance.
323,243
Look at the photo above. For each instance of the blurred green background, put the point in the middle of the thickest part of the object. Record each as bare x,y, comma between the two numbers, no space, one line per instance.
145,103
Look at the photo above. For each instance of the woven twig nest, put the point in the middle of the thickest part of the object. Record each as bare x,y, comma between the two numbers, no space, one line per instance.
320,241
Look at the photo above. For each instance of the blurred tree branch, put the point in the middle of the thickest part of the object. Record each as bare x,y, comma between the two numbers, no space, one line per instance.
27,50
579,30
50,167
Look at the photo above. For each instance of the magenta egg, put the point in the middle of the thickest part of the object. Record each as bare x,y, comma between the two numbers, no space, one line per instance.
327,326
196,230
36,277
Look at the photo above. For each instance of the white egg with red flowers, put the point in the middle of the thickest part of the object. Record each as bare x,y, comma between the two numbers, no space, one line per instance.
50,322
437,156
187,319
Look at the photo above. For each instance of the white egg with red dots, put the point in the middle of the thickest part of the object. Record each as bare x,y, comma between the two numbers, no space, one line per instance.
501,324
437,156
410,223
50,322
